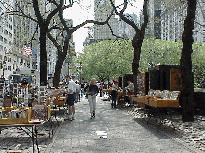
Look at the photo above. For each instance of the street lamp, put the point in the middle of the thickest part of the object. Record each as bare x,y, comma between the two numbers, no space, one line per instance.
80,70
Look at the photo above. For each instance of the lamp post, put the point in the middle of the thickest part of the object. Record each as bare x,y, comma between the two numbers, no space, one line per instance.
80,70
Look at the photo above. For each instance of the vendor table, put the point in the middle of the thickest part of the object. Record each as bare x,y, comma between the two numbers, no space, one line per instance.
33,131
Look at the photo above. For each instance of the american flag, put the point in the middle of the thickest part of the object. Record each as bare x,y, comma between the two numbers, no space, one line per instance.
27,49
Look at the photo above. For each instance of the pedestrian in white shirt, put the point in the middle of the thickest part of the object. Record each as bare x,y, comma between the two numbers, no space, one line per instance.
70,97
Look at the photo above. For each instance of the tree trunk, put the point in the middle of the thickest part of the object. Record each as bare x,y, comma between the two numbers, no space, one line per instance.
137,45
43,55
59,63
186,64
135,64
57,73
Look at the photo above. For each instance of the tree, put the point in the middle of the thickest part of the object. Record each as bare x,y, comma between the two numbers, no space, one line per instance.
43,19
45,27
68,31
186,64
106,59
138,37
43,24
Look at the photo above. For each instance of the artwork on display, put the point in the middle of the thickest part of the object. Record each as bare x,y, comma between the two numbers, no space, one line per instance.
142,83
175,80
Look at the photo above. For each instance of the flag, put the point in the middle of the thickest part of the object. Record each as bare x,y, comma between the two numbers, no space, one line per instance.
27,49
33,51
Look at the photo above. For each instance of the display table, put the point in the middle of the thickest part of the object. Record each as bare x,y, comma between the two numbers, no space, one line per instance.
61,100
30,132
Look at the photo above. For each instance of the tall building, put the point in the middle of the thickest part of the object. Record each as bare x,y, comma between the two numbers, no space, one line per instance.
96,33
16,32
153,29
172,21
10,38
124,29
102,9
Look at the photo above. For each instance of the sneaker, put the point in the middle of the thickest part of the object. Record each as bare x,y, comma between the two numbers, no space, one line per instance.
73,118
69,119
67,111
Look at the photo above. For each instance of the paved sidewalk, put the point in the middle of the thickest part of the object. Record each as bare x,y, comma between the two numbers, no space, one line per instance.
124,134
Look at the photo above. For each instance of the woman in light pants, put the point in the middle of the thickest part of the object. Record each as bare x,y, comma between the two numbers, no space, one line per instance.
92,92
92,104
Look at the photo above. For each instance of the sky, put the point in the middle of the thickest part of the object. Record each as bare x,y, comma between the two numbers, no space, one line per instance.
84,10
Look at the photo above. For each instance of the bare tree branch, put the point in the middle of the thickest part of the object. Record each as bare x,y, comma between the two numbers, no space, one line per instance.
58,46
92,21
113,32
34,34
55,10
131,23
199,24
124,8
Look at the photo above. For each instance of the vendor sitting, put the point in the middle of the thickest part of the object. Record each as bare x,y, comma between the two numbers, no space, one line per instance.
130,86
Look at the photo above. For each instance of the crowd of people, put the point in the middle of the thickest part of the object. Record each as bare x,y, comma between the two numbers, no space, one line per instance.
76,90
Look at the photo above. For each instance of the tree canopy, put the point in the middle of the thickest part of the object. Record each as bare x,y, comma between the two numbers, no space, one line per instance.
113,58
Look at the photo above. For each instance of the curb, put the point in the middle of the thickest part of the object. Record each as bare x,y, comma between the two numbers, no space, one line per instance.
53,139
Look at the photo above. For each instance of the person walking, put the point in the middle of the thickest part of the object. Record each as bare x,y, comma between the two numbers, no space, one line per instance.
114,93
92,92
101,88
70,97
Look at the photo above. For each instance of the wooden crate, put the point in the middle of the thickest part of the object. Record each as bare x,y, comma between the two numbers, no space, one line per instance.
163,102
145,100
17,120
173,103
158,102
140,105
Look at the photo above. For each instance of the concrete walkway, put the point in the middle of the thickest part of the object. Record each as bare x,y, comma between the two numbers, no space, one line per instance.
112,130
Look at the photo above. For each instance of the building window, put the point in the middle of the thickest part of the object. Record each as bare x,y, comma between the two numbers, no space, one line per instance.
5,58
9,68
1,38
5,40
203,39
6,32
9,59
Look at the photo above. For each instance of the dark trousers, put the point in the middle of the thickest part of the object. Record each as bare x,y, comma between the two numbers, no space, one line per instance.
100,92
114,98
